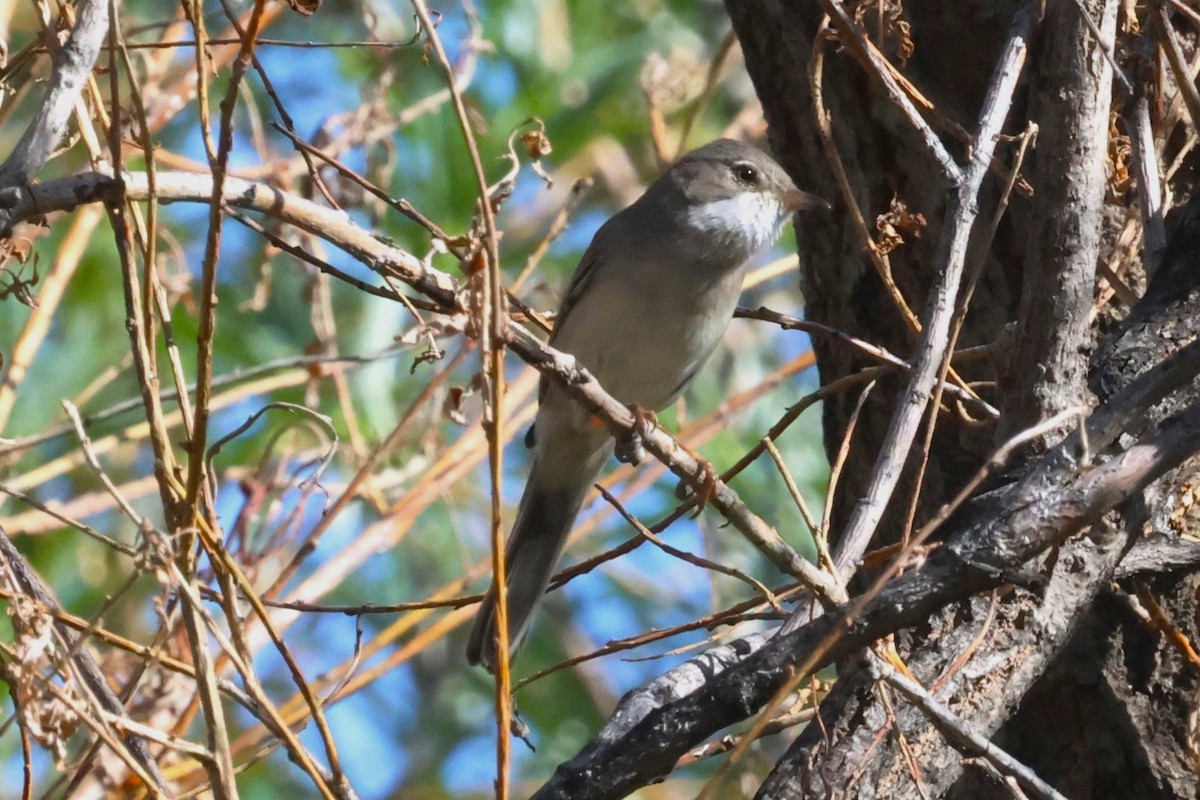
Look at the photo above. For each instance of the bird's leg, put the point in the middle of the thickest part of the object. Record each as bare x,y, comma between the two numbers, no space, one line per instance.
708,481
519,728
629,449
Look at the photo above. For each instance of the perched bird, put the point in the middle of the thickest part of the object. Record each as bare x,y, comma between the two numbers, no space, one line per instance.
646,307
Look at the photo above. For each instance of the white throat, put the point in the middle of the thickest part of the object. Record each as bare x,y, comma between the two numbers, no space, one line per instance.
749,221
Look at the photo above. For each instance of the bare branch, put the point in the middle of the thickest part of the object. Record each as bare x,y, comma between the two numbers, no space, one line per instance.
89,671
1057,497
72,66
959,733
951,261
1048,369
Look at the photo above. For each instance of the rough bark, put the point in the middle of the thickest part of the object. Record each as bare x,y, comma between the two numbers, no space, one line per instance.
1012,623
884,160
1059,237
1062,493
1071,104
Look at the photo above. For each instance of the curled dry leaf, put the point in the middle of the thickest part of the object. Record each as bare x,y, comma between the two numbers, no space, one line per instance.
536,145
886,20
1186,508
537,142
13,282
33,631
898,225
49,720
1120,151
456,400
475,262
429,333
448,325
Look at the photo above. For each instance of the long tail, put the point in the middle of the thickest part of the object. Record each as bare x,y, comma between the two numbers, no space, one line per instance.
544,520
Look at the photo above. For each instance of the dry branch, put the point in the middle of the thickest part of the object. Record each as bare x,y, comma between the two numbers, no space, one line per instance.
1059,495
950,265
93,677
72,67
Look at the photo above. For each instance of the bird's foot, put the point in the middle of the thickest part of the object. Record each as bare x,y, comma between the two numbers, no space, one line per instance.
708,481
520,729
630,448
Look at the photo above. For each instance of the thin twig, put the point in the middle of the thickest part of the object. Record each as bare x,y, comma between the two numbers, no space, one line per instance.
853,38
493,321
683,555
730,615
959,734
824,121
90,672
874,351
950,264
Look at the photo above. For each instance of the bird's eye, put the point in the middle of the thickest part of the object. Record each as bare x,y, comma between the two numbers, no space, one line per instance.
745,173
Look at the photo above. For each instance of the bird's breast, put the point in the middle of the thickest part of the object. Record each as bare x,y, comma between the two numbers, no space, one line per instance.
645,333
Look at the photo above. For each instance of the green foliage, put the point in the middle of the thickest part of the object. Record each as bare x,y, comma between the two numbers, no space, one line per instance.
578,67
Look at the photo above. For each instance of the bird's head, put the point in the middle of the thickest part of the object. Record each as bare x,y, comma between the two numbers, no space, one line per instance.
735,195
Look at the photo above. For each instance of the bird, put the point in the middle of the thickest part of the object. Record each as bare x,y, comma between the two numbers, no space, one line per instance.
645,308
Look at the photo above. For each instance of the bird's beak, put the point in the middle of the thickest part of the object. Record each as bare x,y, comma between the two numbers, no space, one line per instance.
796,200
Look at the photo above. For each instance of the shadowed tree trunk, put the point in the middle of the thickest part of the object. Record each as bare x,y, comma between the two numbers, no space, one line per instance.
1109,717
1028,631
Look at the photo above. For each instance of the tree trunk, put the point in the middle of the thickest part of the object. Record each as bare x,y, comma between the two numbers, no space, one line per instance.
1053,613
1098,705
